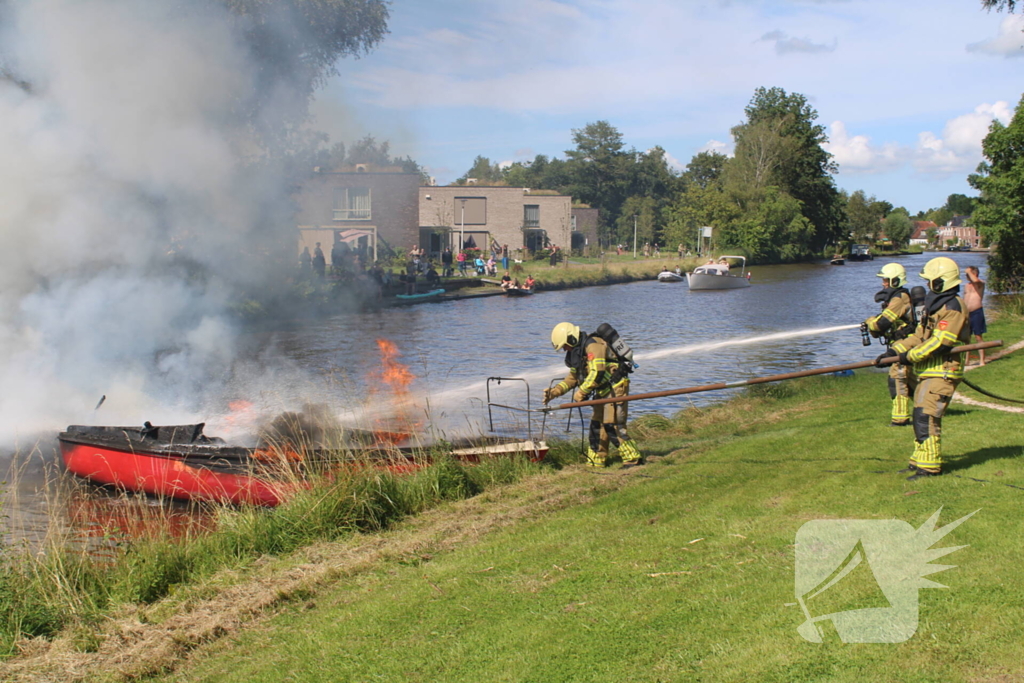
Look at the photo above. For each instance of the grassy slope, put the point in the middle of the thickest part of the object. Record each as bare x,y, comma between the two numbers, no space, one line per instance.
570,597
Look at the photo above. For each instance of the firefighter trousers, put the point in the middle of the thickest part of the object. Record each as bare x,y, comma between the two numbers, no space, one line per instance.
608,425
899,392
931,398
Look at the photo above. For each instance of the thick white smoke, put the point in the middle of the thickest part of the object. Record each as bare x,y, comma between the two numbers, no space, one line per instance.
129,210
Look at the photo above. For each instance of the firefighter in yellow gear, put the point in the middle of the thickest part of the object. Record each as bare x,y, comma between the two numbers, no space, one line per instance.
894,323
594,372
935,373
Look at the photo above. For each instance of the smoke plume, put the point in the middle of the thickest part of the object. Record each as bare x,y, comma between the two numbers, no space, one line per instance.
136,203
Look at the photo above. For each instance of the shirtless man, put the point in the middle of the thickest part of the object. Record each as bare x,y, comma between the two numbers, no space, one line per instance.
974,292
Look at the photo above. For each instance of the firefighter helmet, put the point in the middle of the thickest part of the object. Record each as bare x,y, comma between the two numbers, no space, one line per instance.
565,334
942,274
894,273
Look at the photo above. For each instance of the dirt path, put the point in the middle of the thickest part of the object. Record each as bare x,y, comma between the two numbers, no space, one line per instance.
959,398
132,647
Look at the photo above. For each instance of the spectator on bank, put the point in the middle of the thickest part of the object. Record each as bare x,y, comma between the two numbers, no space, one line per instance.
446,262
461,258
319,262
305,261
433,279
506,280
974,294
504,257
492,266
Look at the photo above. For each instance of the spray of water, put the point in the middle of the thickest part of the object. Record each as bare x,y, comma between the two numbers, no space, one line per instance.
448,402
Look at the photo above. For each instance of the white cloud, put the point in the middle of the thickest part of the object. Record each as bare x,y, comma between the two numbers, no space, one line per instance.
718,146
959,148
672,162
1008,42
786,44
856,154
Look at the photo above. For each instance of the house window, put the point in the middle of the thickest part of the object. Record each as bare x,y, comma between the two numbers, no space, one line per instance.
352,204
531,216
471,210
574,223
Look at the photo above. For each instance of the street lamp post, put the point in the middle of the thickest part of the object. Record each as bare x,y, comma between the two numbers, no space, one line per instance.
634,235
462,226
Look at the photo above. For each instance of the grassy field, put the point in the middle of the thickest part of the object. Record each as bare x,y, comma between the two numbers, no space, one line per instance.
683,570
583,272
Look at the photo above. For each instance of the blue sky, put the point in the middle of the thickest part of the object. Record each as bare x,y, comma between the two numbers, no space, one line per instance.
906,89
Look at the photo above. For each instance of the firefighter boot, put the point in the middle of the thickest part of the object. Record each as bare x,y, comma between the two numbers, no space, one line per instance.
900,411
595,458
630,454
927,459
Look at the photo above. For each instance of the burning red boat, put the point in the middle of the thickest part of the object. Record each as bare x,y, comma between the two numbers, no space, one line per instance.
179,461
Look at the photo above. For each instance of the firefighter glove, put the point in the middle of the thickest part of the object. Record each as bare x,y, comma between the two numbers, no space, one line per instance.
889,353
549,394
579,396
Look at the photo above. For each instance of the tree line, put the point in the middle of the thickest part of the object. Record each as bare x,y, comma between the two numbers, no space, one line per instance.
775,199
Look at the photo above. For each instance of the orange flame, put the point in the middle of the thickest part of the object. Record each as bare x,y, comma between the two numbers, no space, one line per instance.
393,373
397,377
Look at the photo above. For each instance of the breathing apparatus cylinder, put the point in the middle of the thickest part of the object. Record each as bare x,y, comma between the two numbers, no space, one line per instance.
917,297
619,346
865,336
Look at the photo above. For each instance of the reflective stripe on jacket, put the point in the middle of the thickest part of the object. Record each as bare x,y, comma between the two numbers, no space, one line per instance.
927,349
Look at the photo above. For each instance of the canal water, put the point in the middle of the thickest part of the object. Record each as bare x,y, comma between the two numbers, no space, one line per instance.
680,338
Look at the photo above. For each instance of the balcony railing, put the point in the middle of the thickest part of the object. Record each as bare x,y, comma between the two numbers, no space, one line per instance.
351,214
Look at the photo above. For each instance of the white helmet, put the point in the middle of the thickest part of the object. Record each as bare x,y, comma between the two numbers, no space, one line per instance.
565,334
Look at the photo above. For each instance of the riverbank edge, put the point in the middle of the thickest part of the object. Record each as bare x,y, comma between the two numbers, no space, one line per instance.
146,640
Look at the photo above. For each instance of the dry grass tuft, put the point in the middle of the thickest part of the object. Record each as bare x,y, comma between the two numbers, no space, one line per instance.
145,641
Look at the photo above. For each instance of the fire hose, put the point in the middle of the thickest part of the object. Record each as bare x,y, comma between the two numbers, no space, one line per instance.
765,380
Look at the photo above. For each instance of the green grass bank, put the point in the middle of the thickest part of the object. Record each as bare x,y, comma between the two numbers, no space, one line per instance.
683,570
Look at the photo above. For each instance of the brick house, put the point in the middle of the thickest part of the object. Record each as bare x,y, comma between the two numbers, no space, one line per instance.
484,215
961,234
359,208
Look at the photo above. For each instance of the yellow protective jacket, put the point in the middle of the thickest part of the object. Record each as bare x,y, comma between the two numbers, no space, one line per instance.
944,327
894,321
593,373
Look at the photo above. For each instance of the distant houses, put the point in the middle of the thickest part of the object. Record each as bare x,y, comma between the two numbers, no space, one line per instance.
369,210
957,233
920,234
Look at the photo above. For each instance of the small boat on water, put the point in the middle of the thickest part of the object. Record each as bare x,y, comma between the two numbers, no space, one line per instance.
670,276
179,461
838,261
518,291
719,275
860,252
432,294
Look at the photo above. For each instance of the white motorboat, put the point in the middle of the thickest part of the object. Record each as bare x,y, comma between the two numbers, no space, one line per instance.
719,275
670,276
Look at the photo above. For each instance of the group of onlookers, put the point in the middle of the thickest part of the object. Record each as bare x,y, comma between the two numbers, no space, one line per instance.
348,265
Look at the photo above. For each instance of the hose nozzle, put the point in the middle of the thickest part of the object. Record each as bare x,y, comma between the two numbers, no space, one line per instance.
865,336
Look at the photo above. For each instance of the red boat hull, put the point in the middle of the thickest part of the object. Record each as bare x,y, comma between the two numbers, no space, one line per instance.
178,461
167,476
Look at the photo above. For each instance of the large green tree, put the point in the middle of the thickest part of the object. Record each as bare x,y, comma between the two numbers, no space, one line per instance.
598,167
865,216
704,168
1000,211
1008,5
781,145
898,228
483,171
